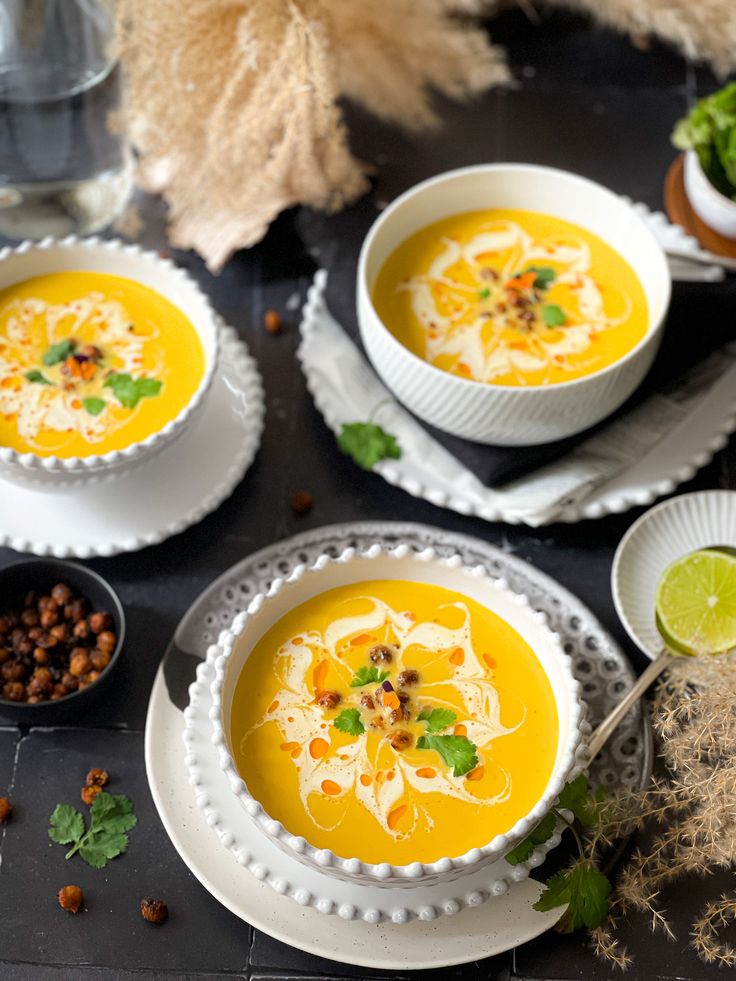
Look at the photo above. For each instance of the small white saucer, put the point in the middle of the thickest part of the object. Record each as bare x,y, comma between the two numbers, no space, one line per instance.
664,533
160,498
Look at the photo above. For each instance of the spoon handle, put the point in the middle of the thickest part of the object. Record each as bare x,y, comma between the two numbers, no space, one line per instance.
602,734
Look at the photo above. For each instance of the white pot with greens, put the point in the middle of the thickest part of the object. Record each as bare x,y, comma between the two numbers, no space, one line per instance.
708,134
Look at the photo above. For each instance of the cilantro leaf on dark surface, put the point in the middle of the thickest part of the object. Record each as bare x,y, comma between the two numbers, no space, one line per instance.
584,889
349,721
368,676
66,825
575,797
99,848
553,315
94,406
543,832
436,719
58,352
367,444
34,375
111,813
457,751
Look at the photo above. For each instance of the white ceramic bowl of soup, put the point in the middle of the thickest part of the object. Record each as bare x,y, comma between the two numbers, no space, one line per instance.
237,644
503,414
46,471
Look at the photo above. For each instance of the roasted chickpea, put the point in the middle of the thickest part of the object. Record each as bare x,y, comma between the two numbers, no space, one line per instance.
29,618
6,810
154,910
4,654
97,777
99,622
69,682
106,641
61,594
99,659
81,630
41,682
13,691
49,618
13,671
88,794
61,632
79,664
70,898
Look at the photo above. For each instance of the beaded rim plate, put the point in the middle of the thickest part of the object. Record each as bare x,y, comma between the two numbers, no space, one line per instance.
162,497
600,665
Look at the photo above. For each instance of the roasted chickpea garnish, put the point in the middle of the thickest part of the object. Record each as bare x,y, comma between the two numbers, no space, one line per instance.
97,777
154,910
400,739
408,678
53,646
6,810
328,699
367,702
88,794
71,898
400,714
381,654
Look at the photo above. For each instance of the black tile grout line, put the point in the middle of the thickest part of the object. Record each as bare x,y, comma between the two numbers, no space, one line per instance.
11,785
142,972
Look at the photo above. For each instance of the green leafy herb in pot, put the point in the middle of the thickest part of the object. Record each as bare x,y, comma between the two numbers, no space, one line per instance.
710,130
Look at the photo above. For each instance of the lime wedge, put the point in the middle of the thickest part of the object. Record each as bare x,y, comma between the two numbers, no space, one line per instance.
696,603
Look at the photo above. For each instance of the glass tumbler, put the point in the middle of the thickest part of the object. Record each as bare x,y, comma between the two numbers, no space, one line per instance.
63,168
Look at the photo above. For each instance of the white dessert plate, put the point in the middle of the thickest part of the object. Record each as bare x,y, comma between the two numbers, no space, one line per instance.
665,533
159,498
480,931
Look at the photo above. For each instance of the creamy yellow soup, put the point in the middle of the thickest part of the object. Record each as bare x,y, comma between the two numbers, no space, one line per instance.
394,721
91,363
511,297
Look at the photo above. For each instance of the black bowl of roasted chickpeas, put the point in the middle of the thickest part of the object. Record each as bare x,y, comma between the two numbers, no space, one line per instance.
61,633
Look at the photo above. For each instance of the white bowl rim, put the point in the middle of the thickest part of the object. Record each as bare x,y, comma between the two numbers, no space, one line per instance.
500,844
707,187
655,322
631,533
96,461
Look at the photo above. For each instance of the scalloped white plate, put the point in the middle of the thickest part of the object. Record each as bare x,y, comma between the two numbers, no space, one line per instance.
160,498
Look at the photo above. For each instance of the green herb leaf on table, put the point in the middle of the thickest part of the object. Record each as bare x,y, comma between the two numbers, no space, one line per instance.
436,719
368,676
349,721
543,832
553,315
457,751
34,375
584,889
545,276
367,444
129,391
58,352
111,817
94,406
575,797
66,825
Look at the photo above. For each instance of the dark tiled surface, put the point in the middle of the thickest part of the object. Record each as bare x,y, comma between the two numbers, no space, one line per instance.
584,99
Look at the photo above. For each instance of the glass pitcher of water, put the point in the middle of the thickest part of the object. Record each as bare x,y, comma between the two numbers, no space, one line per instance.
63,168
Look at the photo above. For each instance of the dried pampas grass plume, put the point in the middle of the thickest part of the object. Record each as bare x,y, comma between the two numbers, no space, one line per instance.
232,104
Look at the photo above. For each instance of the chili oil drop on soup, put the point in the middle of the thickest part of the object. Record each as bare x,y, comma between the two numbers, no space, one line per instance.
91,363
394,721
511,297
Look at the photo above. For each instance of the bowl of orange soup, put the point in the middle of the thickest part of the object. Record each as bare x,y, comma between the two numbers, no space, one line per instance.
395,716
106,353
511,304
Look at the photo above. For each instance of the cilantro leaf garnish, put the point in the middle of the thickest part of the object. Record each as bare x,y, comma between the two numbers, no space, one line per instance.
584,889
94,406
129,391
543,832
484,293
34,375
436,719
111,817
58,352
457,751
553,315
349,721
545,276
368,676
575,797
367,444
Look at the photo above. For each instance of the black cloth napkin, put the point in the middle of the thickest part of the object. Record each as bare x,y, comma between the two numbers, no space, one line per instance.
701,319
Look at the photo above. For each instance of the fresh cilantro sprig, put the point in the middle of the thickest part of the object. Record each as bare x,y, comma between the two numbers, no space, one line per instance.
58,352
585,890
367,444
553,315
484,293
129,391
436,719
111,817
368,676
94,406
545,276
457,751
349,721
582,886
34,375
